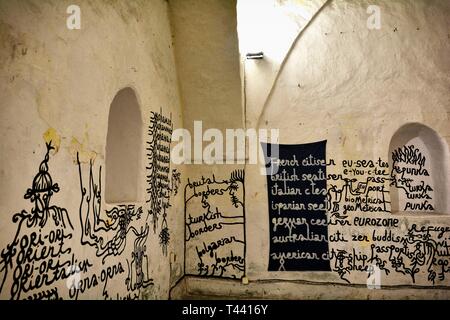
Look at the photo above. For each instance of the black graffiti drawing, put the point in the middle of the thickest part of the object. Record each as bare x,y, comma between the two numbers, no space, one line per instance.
109,273
109,237
128,296
360,186
408,173
426,247
225,256
95,231
39,255
237,178
355,195
106,274
161,183
158,156
344,263
164,235
421,249
40,195
50,294
175,181
138,275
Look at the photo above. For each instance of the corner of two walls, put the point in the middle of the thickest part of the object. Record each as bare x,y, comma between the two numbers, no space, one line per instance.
207,57
57,88
358,89
332,79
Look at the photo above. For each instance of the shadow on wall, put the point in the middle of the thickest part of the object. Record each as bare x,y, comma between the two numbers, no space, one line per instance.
419,159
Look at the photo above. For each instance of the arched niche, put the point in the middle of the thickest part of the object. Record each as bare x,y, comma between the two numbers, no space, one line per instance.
123,148
418,158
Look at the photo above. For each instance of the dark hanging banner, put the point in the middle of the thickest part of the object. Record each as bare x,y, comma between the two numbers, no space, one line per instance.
297,190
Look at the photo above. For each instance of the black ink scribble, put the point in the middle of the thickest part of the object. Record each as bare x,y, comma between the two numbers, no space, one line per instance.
410,155
95,231
175,181
40,239
408,172
162,183
109,236
50,294
361,186
223,256
423,249
138,275
158,156
236,177
40,194
164,237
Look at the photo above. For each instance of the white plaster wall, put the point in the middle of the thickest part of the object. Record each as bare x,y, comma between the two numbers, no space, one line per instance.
353,87
65,80
207,57
270,27
326,76
215,226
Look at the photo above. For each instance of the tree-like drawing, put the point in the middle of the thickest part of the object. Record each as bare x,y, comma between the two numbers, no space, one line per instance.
164,235
345,189
233,188
138,267
118,223
175,181
40,195
42,215
160,185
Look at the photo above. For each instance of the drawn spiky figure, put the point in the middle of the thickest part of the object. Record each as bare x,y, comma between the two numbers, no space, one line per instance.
164,237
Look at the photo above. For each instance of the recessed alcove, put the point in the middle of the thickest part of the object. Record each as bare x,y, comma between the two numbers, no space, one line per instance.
123,148
418,158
